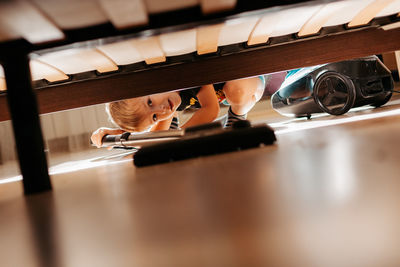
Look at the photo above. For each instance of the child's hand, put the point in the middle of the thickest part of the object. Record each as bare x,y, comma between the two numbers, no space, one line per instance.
98,135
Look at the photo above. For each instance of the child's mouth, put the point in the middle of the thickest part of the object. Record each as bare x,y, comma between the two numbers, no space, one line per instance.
171,105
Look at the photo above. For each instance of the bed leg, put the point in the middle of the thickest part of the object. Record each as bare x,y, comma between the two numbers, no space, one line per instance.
25,117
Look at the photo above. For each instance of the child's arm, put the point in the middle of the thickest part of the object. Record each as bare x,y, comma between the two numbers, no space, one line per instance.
209,107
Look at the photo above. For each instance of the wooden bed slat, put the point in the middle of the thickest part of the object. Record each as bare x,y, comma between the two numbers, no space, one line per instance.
291,20
390,9
85,12
316,22
178,43
236,31
368,13
322,16
100,61
212,6
261,31
150,50
391,26
125,13
158,6
122,53
207,39
40,70
20,18
349,10
282,22
79,60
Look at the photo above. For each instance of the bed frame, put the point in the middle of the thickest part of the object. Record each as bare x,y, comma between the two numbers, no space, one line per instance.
232,39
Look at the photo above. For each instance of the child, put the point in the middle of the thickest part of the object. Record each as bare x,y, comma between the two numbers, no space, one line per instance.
158,112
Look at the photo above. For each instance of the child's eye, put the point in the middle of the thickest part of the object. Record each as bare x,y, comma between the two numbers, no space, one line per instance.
149,102
154,117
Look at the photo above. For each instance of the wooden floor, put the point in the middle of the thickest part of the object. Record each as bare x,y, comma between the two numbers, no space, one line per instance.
326,194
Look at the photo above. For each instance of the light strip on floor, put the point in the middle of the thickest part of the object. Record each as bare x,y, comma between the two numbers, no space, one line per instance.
66,167
11,179
317,124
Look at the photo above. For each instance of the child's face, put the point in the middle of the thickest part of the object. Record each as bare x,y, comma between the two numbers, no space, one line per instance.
157,107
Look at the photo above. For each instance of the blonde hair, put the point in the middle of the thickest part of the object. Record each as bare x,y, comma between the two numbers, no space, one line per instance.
125,115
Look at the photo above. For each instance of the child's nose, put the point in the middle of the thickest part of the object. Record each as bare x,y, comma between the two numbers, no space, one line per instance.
162,109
